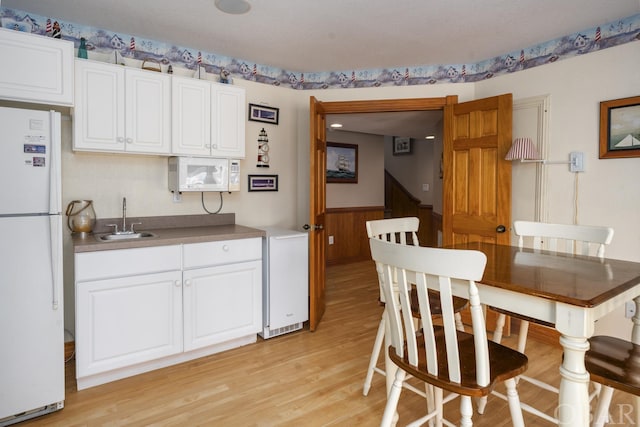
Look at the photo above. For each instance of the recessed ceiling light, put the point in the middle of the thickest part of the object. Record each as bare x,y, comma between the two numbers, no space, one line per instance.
336,125
234,7
430,137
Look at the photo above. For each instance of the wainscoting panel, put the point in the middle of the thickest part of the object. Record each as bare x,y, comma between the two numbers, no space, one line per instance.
347,227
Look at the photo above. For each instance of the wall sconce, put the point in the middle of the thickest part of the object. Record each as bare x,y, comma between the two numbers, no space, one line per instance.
524,150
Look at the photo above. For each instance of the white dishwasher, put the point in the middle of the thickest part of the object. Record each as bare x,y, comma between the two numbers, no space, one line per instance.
285,281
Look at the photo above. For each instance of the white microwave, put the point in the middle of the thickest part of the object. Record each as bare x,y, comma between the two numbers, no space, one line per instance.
203,174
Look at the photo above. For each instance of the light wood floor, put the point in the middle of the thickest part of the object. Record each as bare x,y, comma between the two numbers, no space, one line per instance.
299,379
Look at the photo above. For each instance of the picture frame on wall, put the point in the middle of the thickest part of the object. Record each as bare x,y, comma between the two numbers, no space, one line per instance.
401,145
264,114
263,182
620,128
342,163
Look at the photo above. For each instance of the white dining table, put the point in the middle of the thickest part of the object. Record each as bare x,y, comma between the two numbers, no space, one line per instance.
570,291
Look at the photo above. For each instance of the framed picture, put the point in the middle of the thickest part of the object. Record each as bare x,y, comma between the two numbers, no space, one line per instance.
261,113
263,182
401,145
620,128
342,163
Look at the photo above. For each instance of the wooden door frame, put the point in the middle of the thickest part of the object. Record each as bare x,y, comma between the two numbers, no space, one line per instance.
388,105
372,106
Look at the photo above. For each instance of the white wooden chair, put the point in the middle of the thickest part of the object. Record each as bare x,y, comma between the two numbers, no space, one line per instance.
615,364
578,239
465,365
402,231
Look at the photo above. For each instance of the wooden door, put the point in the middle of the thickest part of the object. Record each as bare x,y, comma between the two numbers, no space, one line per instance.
317,208
476,201
317,173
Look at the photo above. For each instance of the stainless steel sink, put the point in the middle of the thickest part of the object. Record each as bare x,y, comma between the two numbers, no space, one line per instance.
125,236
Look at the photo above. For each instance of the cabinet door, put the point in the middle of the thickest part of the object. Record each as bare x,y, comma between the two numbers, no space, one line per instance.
228,126
222,303
35,68
99,107
148,111
191,116
128,320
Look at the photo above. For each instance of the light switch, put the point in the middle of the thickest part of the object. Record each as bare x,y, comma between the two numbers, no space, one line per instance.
425,187
331,240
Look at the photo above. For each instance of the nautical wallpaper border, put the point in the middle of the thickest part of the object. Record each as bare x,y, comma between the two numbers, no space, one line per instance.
112,44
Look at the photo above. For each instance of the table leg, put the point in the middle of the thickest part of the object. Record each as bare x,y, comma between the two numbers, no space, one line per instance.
573,407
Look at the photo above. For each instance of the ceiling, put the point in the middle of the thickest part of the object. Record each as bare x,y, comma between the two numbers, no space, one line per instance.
414,124
338,35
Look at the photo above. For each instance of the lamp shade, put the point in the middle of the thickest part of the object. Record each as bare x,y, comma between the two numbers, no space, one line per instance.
522,149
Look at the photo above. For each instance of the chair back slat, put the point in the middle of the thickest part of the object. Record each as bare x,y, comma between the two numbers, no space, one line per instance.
479,334
427,321
440,270
569,238
395,230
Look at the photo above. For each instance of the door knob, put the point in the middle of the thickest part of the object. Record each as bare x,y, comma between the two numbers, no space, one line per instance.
313,227
501,229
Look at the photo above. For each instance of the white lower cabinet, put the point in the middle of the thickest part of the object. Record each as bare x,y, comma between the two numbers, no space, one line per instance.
220,303
147,308
128,320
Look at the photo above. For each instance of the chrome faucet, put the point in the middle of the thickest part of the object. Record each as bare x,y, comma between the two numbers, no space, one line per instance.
124,230
124,214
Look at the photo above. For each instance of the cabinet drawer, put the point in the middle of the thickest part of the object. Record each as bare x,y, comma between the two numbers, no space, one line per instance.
126,262
223,252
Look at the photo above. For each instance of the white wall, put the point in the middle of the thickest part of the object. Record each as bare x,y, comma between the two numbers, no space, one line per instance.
607,192
369,191
413,170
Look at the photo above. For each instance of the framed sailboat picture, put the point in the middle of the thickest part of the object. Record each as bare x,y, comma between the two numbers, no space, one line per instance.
342,163
620,128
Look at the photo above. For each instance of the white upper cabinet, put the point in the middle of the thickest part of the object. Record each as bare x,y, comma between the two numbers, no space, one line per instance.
35,68
227,129
148,110
191,116
208,119
121,109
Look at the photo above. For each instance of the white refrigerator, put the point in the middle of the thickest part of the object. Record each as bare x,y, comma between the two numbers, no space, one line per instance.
31,284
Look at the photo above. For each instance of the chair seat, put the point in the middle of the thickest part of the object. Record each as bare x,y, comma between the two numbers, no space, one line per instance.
521,317
614,362
505,363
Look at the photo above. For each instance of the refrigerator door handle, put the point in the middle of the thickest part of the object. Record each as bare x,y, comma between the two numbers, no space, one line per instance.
55,230
55,163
